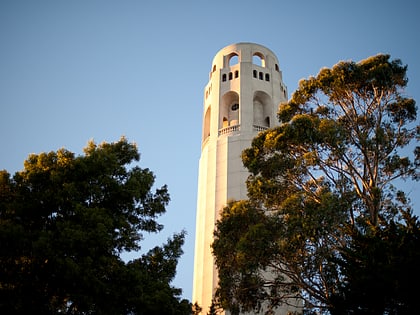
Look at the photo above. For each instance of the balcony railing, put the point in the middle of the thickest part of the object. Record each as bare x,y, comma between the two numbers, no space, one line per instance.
231,129
228,130
259,128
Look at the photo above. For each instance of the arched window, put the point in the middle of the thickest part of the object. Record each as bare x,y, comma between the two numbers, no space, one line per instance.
255,72
267,77
214,68
229,110
277,67
224,77
233,60
258,59
263,110
206,129
236,74
230,75
261,76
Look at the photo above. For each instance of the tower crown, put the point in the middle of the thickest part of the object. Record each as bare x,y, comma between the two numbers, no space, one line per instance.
245,87
244,52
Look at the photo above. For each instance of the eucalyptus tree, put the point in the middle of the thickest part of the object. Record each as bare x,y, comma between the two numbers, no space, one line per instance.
326,177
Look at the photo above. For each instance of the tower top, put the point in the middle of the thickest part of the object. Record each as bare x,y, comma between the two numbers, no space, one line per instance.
245,52
244,89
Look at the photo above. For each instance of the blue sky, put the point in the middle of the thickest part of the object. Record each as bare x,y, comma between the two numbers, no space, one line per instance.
71,71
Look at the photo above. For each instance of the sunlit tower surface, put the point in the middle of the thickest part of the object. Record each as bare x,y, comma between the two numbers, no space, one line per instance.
241,99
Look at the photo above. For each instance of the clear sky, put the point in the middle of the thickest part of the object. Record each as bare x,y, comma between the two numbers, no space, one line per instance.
76,70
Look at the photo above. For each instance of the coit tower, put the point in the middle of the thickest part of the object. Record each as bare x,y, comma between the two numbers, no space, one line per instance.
241,99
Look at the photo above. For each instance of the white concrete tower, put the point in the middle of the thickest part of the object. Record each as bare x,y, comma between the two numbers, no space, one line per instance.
241,98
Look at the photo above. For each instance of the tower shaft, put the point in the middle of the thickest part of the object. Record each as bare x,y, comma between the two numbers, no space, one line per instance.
241,99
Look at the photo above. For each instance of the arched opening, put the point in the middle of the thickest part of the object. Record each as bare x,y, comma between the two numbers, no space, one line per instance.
206,127
229,110
236,74
258,59
230,75
224,77
263,110
233,60
213,69
255,73
267,77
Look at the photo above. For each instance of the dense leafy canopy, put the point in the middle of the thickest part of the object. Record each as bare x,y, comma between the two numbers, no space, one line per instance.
326,178
65,220
380,270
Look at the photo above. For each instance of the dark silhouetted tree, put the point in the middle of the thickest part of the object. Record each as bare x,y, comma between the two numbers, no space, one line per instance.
65,220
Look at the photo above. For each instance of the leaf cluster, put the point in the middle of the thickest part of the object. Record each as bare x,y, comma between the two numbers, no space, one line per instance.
380,270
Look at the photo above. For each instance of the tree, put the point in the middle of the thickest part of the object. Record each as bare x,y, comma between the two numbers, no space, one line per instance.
65,220
327,177
380,271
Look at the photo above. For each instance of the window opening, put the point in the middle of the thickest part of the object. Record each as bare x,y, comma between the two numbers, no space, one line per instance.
206,131
229,113
233,60
236,74
230,75
262,109
255,73
267,77
257,60
261,75
224,77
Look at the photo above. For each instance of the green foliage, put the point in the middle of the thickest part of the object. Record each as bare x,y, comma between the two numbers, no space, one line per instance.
380,270
240,253
65,220
324,177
